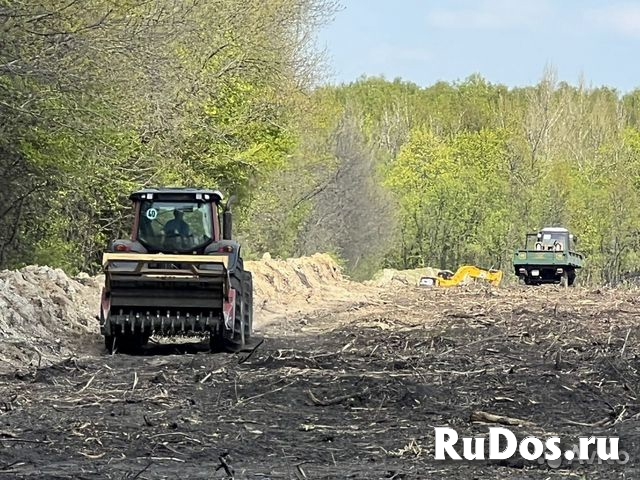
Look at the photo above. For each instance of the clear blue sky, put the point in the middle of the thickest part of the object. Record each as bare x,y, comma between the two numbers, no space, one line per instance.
505,41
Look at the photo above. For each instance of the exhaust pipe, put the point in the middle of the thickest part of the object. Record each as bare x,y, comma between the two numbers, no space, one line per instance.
227,219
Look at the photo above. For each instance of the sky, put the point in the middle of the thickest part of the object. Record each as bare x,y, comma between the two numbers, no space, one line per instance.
510,42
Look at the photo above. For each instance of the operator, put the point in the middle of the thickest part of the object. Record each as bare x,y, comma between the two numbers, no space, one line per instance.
177,225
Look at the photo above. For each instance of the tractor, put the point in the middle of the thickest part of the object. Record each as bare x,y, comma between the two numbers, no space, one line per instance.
180,274
549,257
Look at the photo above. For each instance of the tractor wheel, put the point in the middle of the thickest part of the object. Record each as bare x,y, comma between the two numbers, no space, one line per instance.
235,340
110,343
239,321
572,278
247,290
109,340
128,344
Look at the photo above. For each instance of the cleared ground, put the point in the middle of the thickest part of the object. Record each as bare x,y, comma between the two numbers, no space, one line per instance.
351,390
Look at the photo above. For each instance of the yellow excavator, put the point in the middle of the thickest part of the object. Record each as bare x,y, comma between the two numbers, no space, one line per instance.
447,278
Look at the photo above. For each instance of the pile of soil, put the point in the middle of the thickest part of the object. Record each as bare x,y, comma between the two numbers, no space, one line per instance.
46,316
390,277
297,286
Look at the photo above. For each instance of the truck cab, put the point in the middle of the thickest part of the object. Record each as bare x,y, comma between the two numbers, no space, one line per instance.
555,239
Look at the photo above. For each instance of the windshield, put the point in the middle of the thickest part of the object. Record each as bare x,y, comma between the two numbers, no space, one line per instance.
170,226
547,241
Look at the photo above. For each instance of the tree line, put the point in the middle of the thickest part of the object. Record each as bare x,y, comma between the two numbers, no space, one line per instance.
465,169
99,98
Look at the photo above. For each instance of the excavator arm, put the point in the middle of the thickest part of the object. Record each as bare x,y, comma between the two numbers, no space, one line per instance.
494,277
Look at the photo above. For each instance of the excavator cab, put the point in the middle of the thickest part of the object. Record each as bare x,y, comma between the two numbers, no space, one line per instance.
446,274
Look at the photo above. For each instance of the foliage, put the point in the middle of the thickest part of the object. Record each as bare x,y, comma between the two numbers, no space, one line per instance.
98,98
473,166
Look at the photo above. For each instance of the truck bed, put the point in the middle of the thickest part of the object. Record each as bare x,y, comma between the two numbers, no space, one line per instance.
550,258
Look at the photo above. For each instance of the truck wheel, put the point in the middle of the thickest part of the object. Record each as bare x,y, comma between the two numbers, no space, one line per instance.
564,280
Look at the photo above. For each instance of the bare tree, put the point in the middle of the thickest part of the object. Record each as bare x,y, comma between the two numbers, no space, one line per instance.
352,215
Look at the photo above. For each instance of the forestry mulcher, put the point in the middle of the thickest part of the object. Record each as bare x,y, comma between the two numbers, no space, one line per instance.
180,274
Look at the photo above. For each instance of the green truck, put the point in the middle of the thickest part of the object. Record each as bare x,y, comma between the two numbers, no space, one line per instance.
549,257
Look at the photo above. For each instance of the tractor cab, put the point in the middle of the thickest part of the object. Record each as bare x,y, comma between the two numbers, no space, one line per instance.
177,220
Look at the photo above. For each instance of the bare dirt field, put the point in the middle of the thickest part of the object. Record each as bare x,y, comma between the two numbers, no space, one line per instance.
349,382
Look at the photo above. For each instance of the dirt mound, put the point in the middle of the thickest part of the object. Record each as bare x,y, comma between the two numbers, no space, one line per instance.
274,278
43,313
300,285
46,315
277,279
390,277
